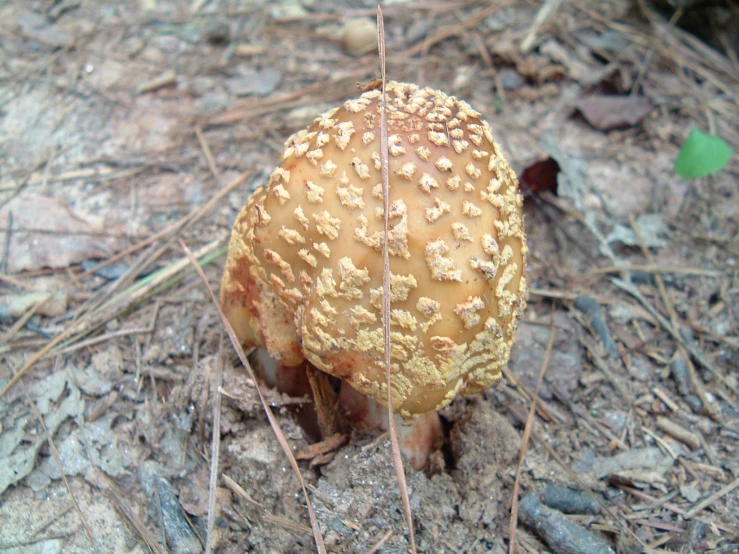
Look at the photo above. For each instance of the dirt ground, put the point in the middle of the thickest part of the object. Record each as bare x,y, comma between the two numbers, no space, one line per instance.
125,126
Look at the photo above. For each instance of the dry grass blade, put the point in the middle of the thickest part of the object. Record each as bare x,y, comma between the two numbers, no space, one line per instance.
56,517
711,499
206,151
272,421
397,460
94,319
545,12
135,521
525,440
215,448
382,541
103,338
40,354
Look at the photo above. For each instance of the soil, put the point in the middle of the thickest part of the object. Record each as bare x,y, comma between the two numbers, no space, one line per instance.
121,119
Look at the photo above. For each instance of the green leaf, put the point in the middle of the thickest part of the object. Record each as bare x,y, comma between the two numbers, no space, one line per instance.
702,155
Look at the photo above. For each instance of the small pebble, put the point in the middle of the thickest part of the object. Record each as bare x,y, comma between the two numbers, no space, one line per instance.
359,36
510,79
217,32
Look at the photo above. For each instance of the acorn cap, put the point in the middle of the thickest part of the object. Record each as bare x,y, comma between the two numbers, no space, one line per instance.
305,265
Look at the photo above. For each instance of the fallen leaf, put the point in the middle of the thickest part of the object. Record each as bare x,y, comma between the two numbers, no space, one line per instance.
606,112
541,176
702,155
47,232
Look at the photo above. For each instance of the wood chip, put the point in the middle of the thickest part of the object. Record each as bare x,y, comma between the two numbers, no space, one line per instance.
678,432
164,80
332,443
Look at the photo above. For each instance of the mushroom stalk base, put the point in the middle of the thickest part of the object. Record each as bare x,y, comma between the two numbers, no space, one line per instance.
337,413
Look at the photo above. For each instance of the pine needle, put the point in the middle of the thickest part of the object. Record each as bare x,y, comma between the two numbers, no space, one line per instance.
525,441
215,448
397,460
270,416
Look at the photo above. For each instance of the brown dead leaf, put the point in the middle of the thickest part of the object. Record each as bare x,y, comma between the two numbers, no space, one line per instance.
606,112
47,232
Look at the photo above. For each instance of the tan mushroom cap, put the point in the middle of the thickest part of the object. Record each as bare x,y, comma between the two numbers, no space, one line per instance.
305,264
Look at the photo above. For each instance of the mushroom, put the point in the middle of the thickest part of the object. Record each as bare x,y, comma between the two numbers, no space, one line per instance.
305,265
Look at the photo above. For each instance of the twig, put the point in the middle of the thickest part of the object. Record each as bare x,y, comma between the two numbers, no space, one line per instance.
206,151
453,30
60,514
669,506
576,478
711,499
166,79
485,55
542,16
178,226
658,269
102,338
678,432
395,446
379,543
135,521
8,336
8,240
215,448
657,276
54,536
15,282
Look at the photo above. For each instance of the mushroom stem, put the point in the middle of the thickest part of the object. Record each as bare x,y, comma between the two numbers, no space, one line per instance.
325,399
417,439
335,413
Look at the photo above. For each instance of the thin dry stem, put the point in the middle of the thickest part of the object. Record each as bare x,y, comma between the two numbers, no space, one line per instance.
382,541
270,416
215,449
525,441
397,459
206,151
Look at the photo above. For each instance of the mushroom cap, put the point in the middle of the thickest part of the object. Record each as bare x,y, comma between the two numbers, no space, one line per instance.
305,265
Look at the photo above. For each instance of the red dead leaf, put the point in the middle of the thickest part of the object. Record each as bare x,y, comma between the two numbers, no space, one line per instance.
541,176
